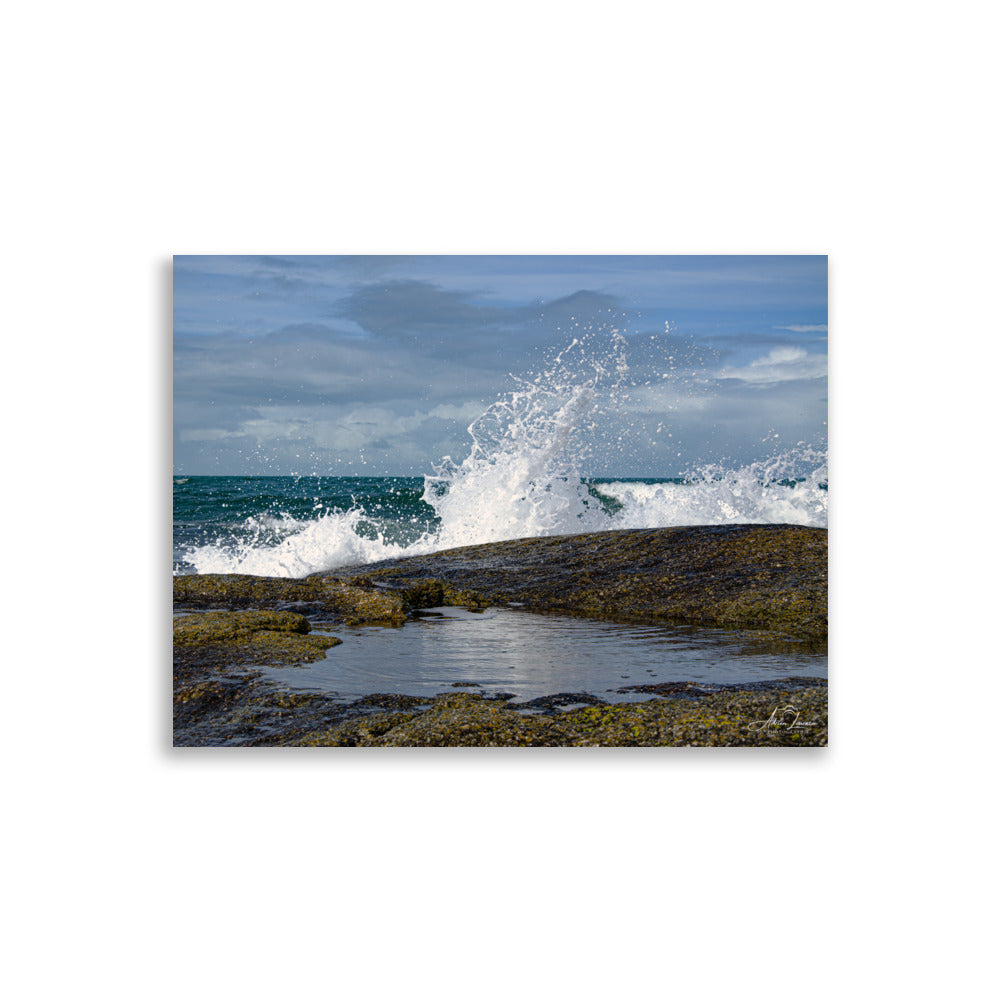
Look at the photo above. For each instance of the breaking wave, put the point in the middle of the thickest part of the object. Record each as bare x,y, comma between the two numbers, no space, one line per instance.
522,478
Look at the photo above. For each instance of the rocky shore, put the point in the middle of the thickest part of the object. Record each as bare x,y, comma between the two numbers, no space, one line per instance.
769,579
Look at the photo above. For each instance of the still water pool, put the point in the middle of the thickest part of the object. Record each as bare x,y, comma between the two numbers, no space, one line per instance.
532,656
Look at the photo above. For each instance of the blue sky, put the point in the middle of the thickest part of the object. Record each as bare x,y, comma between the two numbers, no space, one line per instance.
376,365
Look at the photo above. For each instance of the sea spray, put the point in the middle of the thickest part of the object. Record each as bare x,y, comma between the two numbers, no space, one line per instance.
523,477
787,488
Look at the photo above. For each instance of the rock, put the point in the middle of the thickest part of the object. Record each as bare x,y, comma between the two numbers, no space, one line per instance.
728,717
250,637
770,578
357,602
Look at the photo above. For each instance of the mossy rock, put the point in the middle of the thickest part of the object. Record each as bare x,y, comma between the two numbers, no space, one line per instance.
725,719
356,602
437,594
765,577
205,691
252,636
454,720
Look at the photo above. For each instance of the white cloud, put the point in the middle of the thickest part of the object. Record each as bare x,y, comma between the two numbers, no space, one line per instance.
780,356
336,428
208,434
782,364
464,411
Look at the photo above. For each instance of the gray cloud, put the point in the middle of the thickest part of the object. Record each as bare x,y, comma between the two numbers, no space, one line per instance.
412,310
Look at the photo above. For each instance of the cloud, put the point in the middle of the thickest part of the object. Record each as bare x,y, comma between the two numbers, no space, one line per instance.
277,286
413,309
782,364
283,364
467,411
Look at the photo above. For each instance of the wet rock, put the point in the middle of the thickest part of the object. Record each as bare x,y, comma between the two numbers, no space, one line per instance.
676,689
390,701
769,578
435,594
556,702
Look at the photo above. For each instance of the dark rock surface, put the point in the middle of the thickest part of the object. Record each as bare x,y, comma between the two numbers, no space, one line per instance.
770,578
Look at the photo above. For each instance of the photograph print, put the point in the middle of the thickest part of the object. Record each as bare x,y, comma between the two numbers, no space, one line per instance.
500,501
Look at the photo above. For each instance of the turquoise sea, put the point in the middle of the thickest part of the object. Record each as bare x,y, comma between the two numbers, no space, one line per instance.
293,526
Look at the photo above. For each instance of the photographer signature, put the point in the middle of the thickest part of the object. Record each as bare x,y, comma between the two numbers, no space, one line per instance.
784,717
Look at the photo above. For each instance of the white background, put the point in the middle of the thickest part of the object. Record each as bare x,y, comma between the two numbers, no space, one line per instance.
132,133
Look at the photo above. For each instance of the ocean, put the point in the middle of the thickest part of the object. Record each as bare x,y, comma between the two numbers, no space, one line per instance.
293,526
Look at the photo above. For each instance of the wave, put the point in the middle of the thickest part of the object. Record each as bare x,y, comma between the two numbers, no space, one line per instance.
523,479
766,492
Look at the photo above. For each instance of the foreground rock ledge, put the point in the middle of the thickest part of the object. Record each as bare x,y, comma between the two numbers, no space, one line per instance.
765,577
254,715
768,578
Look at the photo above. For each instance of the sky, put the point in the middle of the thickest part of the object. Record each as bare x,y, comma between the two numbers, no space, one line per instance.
377,364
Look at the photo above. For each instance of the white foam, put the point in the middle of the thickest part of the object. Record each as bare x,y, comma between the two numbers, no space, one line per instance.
326,543
777,491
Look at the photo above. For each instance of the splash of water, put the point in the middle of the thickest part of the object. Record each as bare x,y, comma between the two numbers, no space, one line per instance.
522,478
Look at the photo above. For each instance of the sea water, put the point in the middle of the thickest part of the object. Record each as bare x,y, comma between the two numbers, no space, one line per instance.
294,526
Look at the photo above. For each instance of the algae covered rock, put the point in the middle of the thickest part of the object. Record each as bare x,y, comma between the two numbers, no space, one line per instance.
354,602
765,577
437,594
779,716
252,636
453,720
235,626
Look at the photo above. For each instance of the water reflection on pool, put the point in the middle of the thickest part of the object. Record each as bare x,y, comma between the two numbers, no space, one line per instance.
531,655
